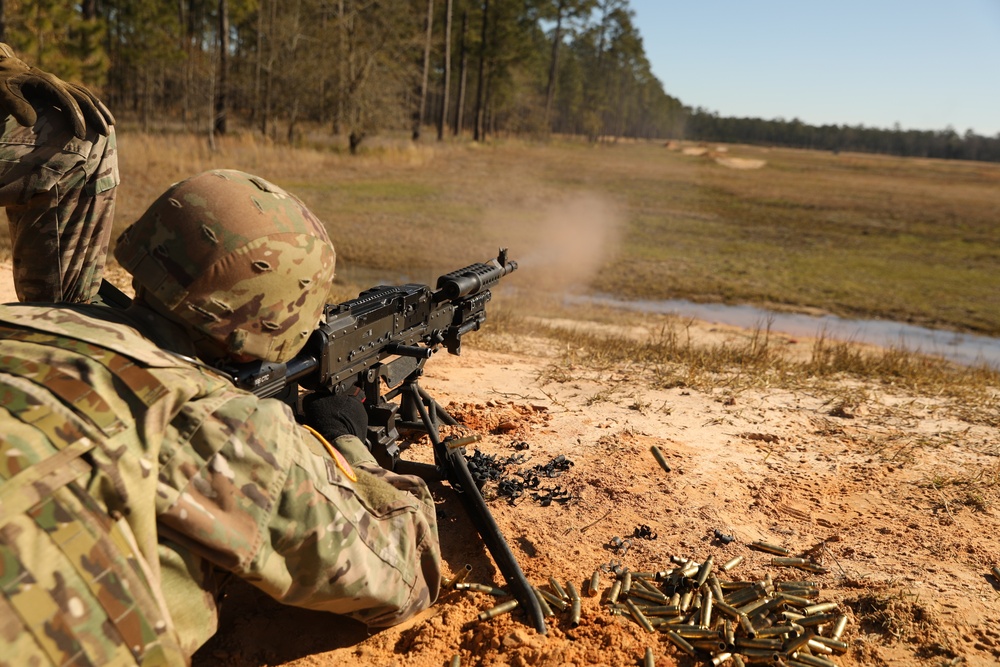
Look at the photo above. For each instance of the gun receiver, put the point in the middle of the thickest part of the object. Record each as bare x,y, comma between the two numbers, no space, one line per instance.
380,342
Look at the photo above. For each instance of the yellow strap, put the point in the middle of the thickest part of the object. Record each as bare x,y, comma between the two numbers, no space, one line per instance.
338,458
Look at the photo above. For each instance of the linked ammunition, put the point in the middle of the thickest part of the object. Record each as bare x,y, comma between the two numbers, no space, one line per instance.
658,455
500,609
770,548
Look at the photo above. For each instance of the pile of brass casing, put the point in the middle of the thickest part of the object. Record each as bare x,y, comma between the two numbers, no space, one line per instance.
736,622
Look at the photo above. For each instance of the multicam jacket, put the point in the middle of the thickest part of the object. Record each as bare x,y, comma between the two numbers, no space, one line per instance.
132,477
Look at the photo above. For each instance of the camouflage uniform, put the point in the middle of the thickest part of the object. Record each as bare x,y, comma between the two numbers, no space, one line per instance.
202,477
59,192
179,477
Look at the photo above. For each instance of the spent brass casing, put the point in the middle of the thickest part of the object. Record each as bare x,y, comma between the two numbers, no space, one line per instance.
808,593
695,632
686,600
552,599
658,455
704,571
834,645
770,548
820,608
626,582
817,619
652,596
730,564
460,576
778,630
639,617
710,645
768,643
819,647
463,441
761,653
738,661
720,658
729,633
794,600
727,609
690,570
747,626
481,588
574,612
502,608
839,627
996,573
681,643
662,610
813,567
571,591
812,660
557,588
796,583
735,585
456,661
706,609
543,601
795,643
649,660
616,589
782,561
595,584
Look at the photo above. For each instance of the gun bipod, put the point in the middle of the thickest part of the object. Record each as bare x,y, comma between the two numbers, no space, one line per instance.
452,465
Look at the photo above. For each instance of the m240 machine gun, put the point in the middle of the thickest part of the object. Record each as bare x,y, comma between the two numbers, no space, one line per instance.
380,342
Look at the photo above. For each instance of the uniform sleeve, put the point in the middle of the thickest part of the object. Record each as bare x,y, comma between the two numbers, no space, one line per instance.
308,528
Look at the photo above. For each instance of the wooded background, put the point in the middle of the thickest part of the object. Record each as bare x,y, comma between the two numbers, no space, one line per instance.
361,67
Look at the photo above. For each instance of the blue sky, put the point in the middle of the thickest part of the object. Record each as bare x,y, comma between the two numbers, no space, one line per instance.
925,64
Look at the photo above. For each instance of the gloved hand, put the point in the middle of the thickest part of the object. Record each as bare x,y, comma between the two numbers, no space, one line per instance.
334,415
23,87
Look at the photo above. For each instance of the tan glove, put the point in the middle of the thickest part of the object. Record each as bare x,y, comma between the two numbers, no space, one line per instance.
22,88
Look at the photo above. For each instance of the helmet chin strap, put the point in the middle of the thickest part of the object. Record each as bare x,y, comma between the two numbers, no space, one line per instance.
208,349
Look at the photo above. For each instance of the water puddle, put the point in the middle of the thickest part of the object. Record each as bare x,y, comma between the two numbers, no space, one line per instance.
968,349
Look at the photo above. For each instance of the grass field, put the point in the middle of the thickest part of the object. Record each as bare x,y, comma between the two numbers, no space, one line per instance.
857,235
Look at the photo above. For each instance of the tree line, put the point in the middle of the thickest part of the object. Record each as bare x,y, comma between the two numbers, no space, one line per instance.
948,144
360,67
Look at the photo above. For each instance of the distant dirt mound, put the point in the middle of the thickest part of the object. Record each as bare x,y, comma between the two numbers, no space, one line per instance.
740,162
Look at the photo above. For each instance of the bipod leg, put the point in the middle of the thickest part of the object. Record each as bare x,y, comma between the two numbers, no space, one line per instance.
452,463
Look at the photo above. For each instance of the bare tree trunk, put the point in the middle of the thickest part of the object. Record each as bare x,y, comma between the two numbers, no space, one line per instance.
481,92
221,102
462,75
259,64
442,119
550,89
338,115
3,21
419,120
269,71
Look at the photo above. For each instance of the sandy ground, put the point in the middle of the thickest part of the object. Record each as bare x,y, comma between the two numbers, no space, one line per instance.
907,561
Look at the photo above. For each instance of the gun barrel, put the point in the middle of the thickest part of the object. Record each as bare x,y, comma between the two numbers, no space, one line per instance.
474,278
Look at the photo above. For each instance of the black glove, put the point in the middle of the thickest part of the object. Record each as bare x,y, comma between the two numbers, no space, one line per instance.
334,415
22,88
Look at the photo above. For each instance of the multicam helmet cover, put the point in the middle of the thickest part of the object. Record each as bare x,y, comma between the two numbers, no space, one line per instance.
235,258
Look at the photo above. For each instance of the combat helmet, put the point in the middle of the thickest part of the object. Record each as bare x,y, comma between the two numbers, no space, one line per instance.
234,259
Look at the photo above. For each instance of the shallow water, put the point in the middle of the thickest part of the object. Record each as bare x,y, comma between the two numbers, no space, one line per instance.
968,349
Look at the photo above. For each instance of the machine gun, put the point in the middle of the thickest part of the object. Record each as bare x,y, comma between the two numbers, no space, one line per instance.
380,342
